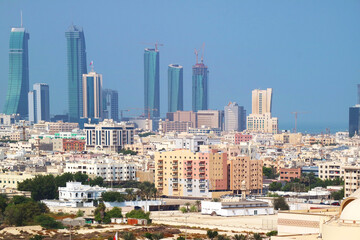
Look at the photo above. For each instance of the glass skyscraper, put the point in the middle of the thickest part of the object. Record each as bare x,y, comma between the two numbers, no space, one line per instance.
175,88
354,120
39,103
76,64
18,85
110,104
92,95
151,83
199,87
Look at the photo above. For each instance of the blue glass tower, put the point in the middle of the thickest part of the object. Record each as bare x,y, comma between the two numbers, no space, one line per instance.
76,65
151,83
18,85
199,87
175,88
354,120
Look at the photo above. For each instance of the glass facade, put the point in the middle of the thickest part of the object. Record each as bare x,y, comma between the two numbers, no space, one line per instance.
354,120
199,87
18,83
151,83
92,95
76,64
175,88
110,104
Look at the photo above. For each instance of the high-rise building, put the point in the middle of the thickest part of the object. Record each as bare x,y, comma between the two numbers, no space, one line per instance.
39,103
151,83
261,101
175,88
235,117
18,85
260,120
110,104
358,94
354,120
92,95
210,118
199,87
76,65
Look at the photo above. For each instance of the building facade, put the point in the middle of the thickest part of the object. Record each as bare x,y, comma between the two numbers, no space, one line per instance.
175,88
235,117
18,85
92,95
151,83
209,118
110,104
261,101
330,170
39,103
200,89
76,65
351,179
288,174
354,120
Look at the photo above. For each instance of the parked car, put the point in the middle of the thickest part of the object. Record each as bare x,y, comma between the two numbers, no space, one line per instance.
335,203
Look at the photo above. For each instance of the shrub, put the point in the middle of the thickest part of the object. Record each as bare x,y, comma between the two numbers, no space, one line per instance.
48,222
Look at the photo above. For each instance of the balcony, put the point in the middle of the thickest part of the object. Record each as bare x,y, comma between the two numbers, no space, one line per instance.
202,186
202,176
189,176
189,164
160,169
160,174
202,170
175,180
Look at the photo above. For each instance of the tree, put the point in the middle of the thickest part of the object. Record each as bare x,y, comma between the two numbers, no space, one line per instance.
180,238
270,172
211,234
81,177
183,210
272,233
113,213
138,214
113,197
257,236
128,236
98,181
148,235
48,222
187,206
280,203
158,236
79,213
147,190
222,237
275,186
37,237
3,203
338,195
130,194
41,187
198,204
193,208
127,152
239,237
100,212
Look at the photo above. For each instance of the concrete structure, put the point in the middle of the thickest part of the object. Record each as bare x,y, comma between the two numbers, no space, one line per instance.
235,117
288,138
109,136
209,118
73,145
175,126
8,120
240,208
184,173
288,174
242,169
110,104
39,103
60,126
92,95
204,131
175,88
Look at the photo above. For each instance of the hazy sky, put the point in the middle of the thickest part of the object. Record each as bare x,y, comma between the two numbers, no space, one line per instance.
307,51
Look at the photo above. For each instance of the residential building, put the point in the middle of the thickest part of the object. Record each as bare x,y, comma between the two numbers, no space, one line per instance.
73,145
183,173
351,179
108,136
182,116
175,88
261,101
60,126
204,131
242,169
288,174
288,138
235,117
239,137
76,65
39,103
76,192
209,118
18,84
151,82
354,120
11,179
330,170
175,126
92,95
200,89
8,120
110,104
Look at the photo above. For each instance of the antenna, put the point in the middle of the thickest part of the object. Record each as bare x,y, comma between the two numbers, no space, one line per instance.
196,54
21,19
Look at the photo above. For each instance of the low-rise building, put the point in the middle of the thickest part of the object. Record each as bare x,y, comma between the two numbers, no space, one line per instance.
288,174
330,170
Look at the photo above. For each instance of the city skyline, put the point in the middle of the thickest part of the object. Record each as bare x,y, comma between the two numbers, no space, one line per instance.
295,81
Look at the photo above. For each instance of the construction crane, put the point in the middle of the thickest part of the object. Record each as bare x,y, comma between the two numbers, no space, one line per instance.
197,55
156,44
296,116
202,52
122,113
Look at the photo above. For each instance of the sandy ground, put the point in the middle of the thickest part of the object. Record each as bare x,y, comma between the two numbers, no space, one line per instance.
259,223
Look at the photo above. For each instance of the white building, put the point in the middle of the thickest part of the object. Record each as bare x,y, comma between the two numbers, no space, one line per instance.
330,170
108,169
76,192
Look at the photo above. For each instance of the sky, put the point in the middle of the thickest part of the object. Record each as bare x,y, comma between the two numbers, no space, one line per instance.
307,51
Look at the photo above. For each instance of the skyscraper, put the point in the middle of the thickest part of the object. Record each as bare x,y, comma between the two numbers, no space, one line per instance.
39,103
18,85
261,101
354,120
358,94
76,64
92,95
235,117
199,87
110,104
175,88
151,83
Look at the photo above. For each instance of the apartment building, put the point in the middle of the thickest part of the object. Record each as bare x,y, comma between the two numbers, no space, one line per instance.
330,170
239,137
60,126
351,179
11,179
108,169
184,173
288,174
242,168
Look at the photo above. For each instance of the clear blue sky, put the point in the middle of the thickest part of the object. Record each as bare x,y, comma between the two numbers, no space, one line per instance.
307,51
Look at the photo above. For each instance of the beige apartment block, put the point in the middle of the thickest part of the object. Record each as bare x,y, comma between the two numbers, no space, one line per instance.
60,126
263,123
261,101
330,170
288,138
11,179
242,168
351,179
209,118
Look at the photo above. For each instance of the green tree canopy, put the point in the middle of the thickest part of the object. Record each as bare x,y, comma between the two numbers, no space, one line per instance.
280,203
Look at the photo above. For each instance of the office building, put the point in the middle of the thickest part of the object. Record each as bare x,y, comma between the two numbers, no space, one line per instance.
179,121
235,117
76,65
354,120
151,83
108,136
261,101
110,104
209,118
18,82
358,94
39,103
200,98
184,173
92,95
175,88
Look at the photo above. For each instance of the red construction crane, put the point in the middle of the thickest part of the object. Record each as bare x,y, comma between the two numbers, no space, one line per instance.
296,116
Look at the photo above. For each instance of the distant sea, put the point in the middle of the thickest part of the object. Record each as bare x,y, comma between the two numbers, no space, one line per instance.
315,128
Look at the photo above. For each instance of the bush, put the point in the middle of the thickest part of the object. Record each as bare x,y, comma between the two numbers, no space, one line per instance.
272,233
183,209
338,195
48,222
113,197
280,203
138,214
180,238
148,235
37,237
79,213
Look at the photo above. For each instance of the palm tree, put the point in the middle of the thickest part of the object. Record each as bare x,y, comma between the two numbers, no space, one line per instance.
187,206
211,234
130,194
198,204
257,236
239,237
